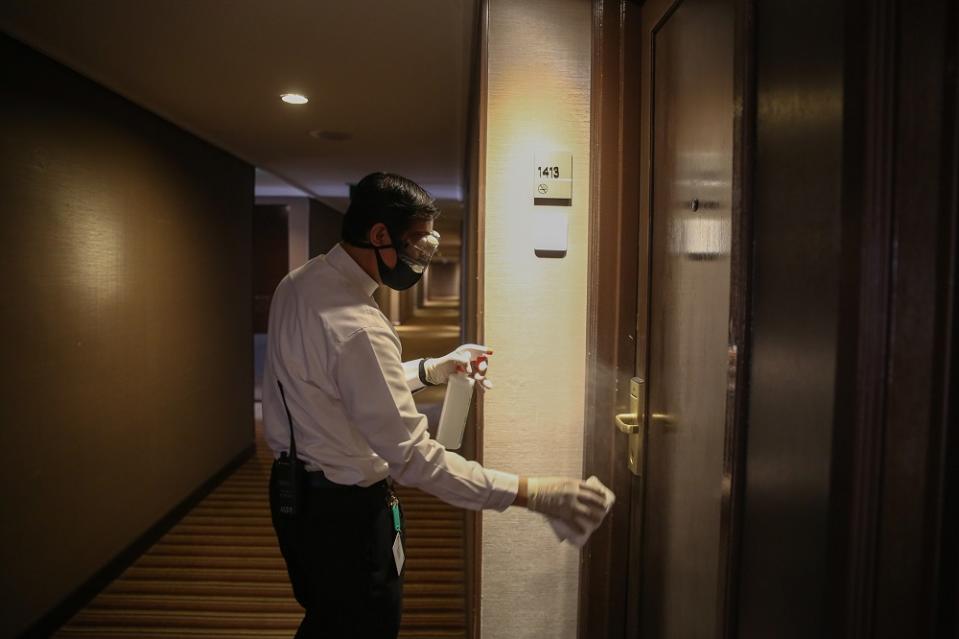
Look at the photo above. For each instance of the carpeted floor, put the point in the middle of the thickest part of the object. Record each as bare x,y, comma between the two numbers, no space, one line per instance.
219,573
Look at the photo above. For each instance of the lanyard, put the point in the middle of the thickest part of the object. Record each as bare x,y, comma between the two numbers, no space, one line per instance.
395,508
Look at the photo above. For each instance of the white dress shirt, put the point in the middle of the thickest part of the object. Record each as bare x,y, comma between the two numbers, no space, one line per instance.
350,394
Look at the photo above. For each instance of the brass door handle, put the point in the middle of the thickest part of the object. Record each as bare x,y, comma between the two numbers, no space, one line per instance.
663,418
627,423
631,423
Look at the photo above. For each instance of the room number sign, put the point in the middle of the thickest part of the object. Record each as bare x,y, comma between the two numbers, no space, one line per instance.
553,176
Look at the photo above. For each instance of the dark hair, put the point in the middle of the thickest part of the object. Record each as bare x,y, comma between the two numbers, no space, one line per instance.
387,198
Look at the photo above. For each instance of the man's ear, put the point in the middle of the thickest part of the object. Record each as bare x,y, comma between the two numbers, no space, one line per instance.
379,235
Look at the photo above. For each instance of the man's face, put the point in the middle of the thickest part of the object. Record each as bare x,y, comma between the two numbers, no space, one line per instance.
417,230
380,236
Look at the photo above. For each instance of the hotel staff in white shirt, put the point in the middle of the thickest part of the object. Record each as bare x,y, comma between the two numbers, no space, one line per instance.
355,423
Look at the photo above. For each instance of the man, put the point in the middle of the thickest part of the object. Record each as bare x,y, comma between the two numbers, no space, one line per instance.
333,361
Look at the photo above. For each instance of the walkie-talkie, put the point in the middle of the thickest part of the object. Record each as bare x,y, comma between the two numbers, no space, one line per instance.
290,476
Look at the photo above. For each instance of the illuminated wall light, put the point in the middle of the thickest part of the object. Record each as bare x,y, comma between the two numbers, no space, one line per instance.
294,98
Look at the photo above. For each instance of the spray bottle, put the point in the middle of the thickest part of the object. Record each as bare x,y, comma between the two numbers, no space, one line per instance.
456,407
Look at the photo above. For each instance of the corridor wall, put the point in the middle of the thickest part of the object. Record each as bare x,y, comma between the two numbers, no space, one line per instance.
298,218
325,226
126,319
537,99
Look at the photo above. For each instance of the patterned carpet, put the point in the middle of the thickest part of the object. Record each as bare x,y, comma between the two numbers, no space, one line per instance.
219,573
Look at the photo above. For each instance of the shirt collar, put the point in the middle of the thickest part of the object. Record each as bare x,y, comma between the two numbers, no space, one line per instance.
344,263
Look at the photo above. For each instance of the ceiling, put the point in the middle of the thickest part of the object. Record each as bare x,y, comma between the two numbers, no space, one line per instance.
391,75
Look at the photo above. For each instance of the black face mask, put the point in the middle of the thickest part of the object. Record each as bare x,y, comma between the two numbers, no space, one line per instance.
400,277
411,261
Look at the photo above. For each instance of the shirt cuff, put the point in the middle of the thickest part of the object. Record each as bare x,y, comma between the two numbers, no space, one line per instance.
504,488
422,373
411,370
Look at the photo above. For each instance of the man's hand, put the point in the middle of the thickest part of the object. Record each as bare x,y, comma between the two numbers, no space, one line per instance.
472,359
572,501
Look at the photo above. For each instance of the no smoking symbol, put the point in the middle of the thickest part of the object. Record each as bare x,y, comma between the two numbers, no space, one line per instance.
543,189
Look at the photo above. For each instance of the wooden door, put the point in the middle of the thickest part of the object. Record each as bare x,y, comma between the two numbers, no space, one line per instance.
682,358
271,258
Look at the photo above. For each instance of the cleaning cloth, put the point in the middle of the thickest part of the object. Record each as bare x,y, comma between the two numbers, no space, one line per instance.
565,533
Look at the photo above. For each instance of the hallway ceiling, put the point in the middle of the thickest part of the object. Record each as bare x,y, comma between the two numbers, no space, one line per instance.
393,76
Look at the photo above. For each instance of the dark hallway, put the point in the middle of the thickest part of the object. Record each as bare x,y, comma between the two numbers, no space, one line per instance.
699,256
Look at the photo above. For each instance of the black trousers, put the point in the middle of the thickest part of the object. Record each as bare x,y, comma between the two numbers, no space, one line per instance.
339,555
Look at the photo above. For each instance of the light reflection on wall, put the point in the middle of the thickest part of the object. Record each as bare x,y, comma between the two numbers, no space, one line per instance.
96,249
535,308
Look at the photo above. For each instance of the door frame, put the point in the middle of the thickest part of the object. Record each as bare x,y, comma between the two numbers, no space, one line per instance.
620,73
472,301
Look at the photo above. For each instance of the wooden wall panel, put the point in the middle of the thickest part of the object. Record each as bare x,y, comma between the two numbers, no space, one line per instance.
325,225
271,258
797,187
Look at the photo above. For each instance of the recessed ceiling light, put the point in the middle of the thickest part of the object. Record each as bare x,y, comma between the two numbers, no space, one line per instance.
294,98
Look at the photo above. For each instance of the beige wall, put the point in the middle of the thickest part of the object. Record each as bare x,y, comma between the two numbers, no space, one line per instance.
535,309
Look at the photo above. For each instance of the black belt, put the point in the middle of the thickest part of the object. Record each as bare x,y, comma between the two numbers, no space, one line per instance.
316,479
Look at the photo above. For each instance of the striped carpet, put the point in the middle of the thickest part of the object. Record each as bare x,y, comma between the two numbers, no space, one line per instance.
219,573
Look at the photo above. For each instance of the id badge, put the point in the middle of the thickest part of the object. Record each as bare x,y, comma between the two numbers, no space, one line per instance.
398,555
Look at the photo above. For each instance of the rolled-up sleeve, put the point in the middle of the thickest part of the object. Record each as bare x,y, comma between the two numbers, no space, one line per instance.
373,387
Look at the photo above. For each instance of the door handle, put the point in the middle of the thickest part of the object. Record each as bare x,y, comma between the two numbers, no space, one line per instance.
663,418
631,424
627,423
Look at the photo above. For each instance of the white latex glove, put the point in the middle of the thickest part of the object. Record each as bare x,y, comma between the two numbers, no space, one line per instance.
576,503
578,539
471,359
